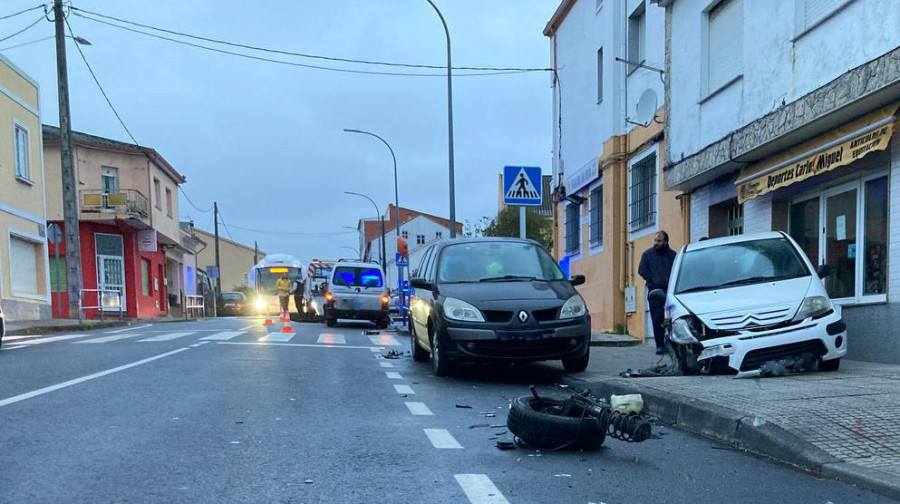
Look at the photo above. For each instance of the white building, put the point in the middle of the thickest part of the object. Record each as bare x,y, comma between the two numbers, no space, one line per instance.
780,116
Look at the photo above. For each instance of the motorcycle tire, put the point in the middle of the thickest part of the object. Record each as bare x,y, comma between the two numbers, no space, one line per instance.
539,429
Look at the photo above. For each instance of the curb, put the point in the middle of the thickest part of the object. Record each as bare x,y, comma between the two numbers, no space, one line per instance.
621,343
743,432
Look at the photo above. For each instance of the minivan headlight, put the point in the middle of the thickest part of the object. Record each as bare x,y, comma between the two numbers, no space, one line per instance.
813,306
573,307
455,309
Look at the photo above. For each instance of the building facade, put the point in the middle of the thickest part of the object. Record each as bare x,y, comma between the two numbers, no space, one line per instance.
781,116
127,198
609,151
24,268
235,259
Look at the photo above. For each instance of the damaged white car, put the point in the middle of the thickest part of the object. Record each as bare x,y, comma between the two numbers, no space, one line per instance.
744,302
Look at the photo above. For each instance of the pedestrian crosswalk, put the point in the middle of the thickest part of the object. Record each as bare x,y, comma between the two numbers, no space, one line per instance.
222,336
167,336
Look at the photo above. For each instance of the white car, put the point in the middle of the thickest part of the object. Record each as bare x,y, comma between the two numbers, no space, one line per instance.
745,301
356,291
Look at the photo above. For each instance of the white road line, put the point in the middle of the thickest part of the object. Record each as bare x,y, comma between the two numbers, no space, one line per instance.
404,389
201,343
393,375
306,345
386,364
278,337
251,326
76,381
106,339
375,349
222,336
12,347
418,408
332,339
117,331
51,339
168,336
442,439
480,489
385,340
25,336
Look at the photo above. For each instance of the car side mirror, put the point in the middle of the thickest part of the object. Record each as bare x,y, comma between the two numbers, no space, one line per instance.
823,271
421,283
657,295
577,280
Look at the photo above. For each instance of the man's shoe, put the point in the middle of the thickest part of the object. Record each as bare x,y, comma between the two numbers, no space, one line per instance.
661,351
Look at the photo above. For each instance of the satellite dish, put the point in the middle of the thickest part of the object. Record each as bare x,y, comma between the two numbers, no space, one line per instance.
646,107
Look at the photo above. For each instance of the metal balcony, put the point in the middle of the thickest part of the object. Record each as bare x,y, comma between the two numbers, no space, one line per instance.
127,205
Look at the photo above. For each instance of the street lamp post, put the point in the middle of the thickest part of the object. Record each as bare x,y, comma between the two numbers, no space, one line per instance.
362,237
380,218
354,250
450,122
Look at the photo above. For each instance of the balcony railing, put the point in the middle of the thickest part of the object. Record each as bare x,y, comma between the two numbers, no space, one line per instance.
127,201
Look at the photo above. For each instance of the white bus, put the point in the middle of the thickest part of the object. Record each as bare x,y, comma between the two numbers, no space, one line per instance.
264,274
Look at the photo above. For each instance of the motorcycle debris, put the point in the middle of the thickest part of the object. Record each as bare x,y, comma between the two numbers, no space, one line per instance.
505,445
463,406
478,425
393,354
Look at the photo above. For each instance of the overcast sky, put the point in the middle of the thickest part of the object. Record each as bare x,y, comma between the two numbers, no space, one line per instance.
266,140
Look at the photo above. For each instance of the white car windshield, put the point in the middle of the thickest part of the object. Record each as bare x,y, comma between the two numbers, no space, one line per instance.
737,264
496,261
354,276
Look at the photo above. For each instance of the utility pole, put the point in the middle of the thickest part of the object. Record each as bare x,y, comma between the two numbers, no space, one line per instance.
70,197
255,253
216,228
383,252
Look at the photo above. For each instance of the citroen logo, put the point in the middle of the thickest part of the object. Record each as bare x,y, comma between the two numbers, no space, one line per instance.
523,316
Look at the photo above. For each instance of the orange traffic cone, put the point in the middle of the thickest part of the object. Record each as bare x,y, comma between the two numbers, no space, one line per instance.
287,328
283,317
268,321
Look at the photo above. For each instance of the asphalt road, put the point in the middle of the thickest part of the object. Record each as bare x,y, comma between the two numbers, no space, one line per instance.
157,413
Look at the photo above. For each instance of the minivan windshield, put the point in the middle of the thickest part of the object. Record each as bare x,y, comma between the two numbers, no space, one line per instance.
735,264
358,276
496,261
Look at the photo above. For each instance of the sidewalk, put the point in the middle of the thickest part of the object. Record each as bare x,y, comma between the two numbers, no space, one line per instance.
843,425
60,325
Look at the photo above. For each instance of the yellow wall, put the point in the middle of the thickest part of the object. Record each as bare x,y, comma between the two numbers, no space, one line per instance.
164,224
22,211
235,259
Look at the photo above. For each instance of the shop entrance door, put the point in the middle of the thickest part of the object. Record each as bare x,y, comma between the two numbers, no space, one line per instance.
839,242
110,271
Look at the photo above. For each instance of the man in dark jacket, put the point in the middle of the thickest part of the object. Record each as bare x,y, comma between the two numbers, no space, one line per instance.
655,268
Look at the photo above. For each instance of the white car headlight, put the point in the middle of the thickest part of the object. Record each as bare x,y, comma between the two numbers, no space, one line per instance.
455,309
813,306
573,307
259,303
682,332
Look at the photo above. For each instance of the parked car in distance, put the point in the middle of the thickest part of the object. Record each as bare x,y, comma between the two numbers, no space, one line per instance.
356,291
232,303
2,326
500,299
748,300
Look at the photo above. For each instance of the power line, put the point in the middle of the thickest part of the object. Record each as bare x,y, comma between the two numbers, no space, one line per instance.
28,43
304,65
303,55
292,233
22,12
192,203
36,21
222,220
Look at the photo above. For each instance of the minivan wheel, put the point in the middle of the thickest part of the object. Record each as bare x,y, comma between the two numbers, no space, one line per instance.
439,360
419,354
578,364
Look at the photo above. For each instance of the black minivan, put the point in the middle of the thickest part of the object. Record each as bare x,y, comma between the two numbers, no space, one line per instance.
501,299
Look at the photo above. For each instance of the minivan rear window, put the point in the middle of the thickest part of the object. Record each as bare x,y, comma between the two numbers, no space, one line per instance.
354,276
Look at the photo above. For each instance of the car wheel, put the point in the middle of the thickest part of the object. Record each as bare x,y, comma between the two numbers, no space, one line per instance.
418,353
578,364
830,365
440,362
383,323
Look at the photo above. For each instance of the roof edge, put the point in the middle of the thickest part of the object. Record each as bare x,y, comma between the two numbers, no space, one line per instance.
558,17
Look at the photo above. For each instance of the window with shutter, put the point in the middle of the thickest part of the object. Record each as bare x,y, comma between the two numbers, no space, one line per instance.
23,266
573,228
597,216
725,42
811,12
636,37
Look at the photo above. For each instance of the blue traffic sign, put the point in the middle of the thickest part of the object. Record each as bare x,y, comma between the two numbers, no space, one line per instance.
522,185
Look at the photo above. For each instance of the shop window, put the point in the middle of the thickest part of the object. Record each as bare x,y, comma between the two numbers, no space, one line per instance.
642,193
58,281
846,228
726,219
573,228
23,266
597,216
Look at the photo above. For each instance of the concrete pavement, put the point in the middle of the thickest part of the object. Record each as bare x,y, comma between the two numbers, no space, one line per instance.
841,425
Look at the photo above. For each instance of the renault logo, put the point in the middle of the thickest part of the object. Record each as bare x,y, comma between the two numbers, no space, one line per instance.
523,316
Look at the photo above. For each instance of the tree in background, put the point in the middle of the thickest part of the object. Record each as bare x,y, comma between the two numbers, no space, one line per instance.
506,223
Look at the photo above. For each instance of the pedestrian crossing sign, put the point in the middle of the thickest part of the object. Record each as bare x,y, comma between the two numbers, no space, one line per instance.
522,185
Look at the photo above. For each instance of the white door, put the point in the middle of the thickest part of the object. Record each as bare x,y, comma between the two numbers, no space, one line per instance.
110,271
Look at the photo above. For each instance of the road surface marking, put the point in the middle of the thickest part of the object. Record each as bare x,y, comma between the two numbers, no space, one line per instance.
278,337
168,336
404,389
117,331
251,326
26,336
393,375
480,489
105,339
332,339
375,349
442,439
418,408
222,336
308,345
51,339
12,347
76,381
201,343
386,364
384,340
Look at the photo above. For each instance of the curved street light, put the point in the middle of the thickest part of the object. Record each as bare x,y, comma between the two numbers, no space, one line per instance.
380,218
354,251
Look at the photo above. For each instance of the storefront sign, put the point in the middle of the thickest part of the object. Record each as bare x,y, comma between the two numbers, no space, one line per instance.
839,148
583,176
147,240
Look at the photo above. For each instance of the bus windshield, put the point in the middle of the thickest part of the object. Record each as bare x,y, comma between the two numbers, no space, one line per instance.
266,277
